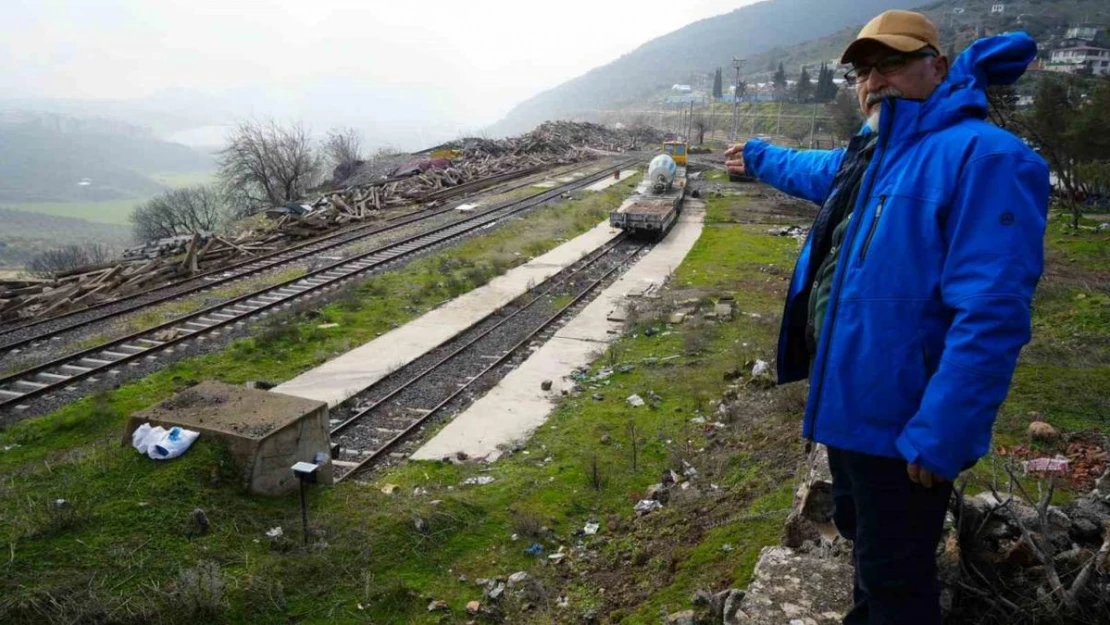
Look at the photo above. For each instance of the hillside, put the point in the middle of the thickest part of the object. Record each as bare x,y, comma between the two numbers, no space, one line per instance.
698,48
1043,19
26,234
44,162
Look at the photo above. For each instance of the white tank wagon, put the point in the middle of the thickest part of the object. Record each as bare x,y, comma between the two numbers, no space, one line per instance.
654,207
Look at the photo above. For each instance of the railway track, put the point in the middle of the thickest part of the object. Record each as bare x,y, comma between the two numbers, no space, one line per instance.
89,366
15,339
393,409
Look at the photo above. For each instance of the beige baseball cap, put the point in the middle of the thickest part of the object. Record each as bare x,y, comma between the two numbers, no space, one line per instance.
905,31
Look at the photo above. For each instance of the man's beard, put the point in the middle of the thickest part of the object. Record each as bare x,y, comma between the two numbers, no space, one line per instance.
876,111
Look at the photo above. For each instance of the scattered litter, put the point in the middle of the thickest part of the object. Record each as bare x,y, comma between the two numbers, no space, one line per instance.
496,592
61,503
326,326
437,604
10,447
161,444
761,367
514,537
473,607
726,547
517,577
389,489
276,532
1047,465
635,401
419,490
557,557
534,549
562,602
591,528
480,479
647,505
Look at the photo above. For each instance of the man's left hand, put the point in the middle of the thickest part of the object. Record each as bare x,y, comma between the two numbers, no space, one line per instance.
920,475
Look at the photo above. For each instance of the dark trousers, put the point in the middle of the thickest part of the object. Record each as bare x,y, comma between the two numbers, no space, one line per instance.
894,526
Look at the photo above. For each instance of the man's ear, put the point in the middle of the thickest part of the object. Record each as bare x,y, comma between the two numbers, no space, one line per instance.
940,69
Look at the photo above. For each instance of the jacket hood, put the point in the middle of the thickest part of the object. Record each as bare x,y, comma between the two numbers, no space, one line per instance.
997,60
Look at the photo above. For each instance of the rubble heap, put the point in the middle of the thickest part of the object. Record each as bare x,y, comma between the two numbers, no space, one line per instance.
1003,558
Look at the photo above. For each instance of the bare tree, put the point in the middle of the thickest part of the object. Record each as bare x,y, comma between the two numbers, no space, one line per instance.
846,115
175,212
267,165
343,151
68,258
702,124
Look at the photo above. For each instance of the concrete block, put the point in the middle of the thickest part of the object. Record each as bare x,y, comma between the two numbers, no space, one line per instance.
266,433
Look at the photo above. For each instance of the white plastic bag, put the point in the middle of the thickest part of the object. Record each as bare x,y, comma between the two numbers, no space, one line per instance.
161,444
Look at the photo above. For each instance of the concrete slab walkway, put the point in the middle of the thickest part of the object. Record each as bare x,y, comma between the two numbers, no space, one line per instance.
605,183
345,376
516,406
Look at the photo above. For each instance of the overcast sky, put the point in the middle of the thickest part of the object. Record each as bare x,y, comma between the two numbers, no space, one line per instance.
467,62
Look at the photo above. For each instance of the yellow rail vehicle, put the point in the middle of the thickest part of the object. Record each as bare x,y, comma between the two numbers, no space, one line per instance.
676,150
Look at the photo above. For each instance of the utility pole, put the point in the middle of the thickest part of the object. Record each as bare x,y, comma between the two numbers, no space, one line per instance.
737,63
689,122
778,121
812,125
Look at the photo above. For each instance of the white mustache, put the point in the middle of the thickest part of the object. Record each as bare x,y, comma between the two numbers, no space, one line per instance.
882,94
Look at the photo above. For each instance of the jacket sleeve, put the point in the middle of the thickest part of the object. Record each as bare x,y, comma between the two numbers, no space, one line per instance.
807,174
995,233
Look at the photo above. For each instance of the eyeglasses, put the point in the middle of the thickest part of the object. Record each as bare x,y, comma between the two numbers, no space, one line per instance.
890,65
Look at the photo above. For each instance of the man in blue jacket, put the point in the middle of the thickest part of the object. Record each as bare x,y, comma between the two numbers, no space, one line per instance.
910,299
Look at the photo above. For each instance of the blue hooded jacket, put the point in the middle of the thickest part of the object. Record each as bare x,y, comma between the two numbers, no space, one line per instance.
930,300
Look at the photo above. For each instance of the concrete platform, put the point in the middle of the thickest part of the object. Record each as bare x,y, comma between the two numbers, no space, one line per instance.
602,185
345,376
516,406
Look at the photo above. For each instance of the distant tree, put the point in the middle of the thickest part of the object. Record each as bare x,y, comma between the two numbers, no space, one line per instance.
741,89
804,89
702,124
717,86
779,82
267,165
846,115
343,151
1070,131
825,90
176,212
67,259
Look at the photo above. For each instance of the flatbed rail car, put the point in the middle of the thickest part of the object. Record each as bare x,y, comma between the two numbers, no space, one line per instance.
651,213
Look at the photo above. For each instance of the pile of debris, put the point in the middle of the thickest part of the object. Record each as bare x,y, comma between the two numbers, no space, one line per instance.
422,179
153,264
1025,560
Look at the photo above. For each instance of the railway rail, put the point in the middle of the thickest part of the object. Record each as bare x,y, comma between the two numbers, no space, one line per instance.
393,409
61,324
64,373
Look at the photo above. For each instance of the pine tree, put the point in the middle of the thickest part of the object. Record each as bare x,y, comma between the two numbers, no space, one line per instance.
826,88
717,85
779,82
805,87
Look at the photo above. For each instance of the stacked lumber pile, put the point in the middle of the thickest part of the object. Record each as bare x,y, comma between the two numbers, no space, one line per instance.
362,197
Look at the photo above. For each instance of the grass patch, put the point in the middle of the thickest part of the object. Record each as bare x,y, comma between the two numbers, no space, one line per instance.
127,547
179,179
107,212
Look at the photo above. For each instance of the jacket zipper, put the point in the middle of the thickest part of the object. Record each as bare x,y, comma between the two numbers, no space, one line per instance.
826,332
874,227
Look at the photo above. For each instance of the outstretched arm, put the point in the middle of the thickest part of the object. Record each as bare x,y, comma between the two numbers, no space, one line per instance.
807,174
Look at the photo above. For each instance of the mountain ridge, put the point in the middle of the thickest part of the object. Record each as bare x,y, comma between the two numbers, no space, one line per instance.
698,47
